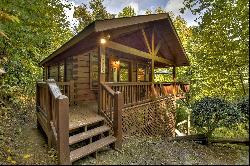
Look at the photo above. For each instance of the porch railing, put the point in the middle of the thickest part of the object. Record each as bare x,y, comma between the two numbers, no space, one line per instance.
67,89
133,92
53,116
110,105
140,92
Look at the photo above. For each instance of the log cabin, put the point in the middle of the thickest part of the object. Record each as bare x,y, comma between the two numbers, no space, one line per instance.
99,87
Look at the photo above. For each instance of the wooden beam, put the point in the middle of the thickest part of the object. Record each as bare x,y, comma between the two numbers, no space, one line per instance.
153,42
130,50
146,41
123,31
157,47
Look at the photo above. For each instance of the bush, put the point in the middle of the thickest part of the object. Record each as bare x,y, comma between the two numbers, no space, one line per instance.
243,107
211,113
181,114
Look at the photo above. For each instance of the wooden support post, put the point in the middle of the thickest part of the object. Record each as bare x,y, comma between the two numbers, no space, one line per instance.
72,92
49,115
174,80
101,73
62,111
152,71
48,111
118,105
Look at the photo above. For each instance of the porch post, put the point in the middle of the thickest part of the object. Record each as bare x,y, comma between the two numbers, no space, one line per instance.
101,72
174,80
101,59
152,71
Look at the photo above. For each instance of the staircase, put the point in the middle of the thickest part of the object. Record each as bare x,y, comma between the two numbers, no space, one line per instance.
89,136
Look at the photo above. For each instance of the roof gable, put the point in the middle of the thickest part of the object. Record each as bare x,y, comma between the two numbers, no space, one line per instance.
171,50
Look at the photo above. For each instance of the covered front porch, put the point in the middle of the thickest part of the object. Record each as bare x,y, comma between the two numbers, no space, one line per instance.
108,73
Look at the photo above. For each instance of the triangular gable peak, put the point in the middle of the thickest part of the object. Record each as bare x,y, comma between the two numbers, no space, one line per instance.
150,36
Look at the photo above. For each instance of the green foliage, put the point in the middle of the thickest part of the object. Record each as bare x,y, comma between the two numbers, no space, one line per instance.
238,131
85,16
42,27
211,113
127,12
243,107
181,114
219,48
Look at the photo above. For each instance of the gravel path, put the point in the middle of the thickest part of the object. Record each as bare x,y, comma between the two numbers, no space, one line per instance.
155,151
32,149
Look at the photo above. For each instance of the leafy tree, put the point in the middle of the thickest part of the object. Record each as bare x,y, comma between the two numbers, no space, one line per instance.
127,12
85,16
219,47
211,113
42,27
6,17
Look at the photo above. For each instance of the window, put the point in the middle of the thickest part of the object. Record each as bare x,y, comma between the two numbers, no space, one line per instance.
61,72
69,69
53,72
93,56
141,73
124,72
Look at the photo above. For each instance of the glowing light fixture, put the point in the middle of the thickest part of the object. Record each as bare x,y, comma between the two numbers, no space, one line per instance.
116,64
103,41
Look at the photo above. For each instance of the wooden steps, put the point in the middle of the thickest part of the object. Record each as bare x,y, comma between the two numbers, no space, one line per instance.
88,134
86,122
91,148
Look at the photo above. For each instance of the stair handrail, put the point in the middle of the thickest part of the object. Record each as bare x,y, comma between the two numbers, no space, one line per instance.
110,105
56,107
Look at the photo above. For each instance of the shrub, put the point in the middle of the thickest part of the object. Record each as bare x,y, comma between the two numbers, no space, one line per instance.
243,107
211,113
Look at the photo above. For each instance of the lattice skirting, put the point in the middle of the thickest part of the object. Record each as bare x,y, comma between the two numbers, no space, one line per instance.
155,118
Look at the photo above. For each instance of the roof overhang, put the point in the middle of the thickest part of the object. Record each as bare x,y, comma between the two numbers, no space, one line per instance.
100,26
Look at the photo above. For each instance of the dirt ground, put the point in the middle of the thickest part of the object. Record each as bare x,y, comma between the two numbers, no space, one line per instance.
155,151
143,151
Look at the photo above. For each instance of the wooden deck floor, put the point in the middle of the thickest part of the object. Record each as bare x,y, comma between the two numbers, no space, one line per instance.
85,113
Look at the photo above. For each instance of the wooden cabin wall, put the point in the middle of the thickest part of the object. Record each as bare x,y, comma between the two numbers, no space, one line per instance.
81,76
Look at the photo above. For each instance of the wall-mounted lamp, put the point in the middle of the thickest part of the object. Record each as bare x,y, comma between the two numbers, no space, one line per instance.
103,41
115,64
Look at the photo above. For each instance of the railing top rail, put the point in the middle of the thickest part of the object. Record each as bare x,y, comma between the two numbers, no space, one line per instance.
170,83
40,83
107,88
127,83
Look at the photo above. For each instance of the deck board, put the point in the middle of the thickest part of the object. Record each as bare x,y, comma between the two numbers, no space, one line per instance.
83,114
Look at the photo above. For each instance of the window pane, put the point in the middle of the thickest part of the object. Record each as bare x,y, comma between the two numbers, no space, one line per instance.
141,74
124,72
69,69
61,72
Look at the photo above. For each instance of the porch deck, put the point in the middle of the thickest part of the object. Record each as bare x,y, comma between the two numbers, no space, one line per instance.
83,114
